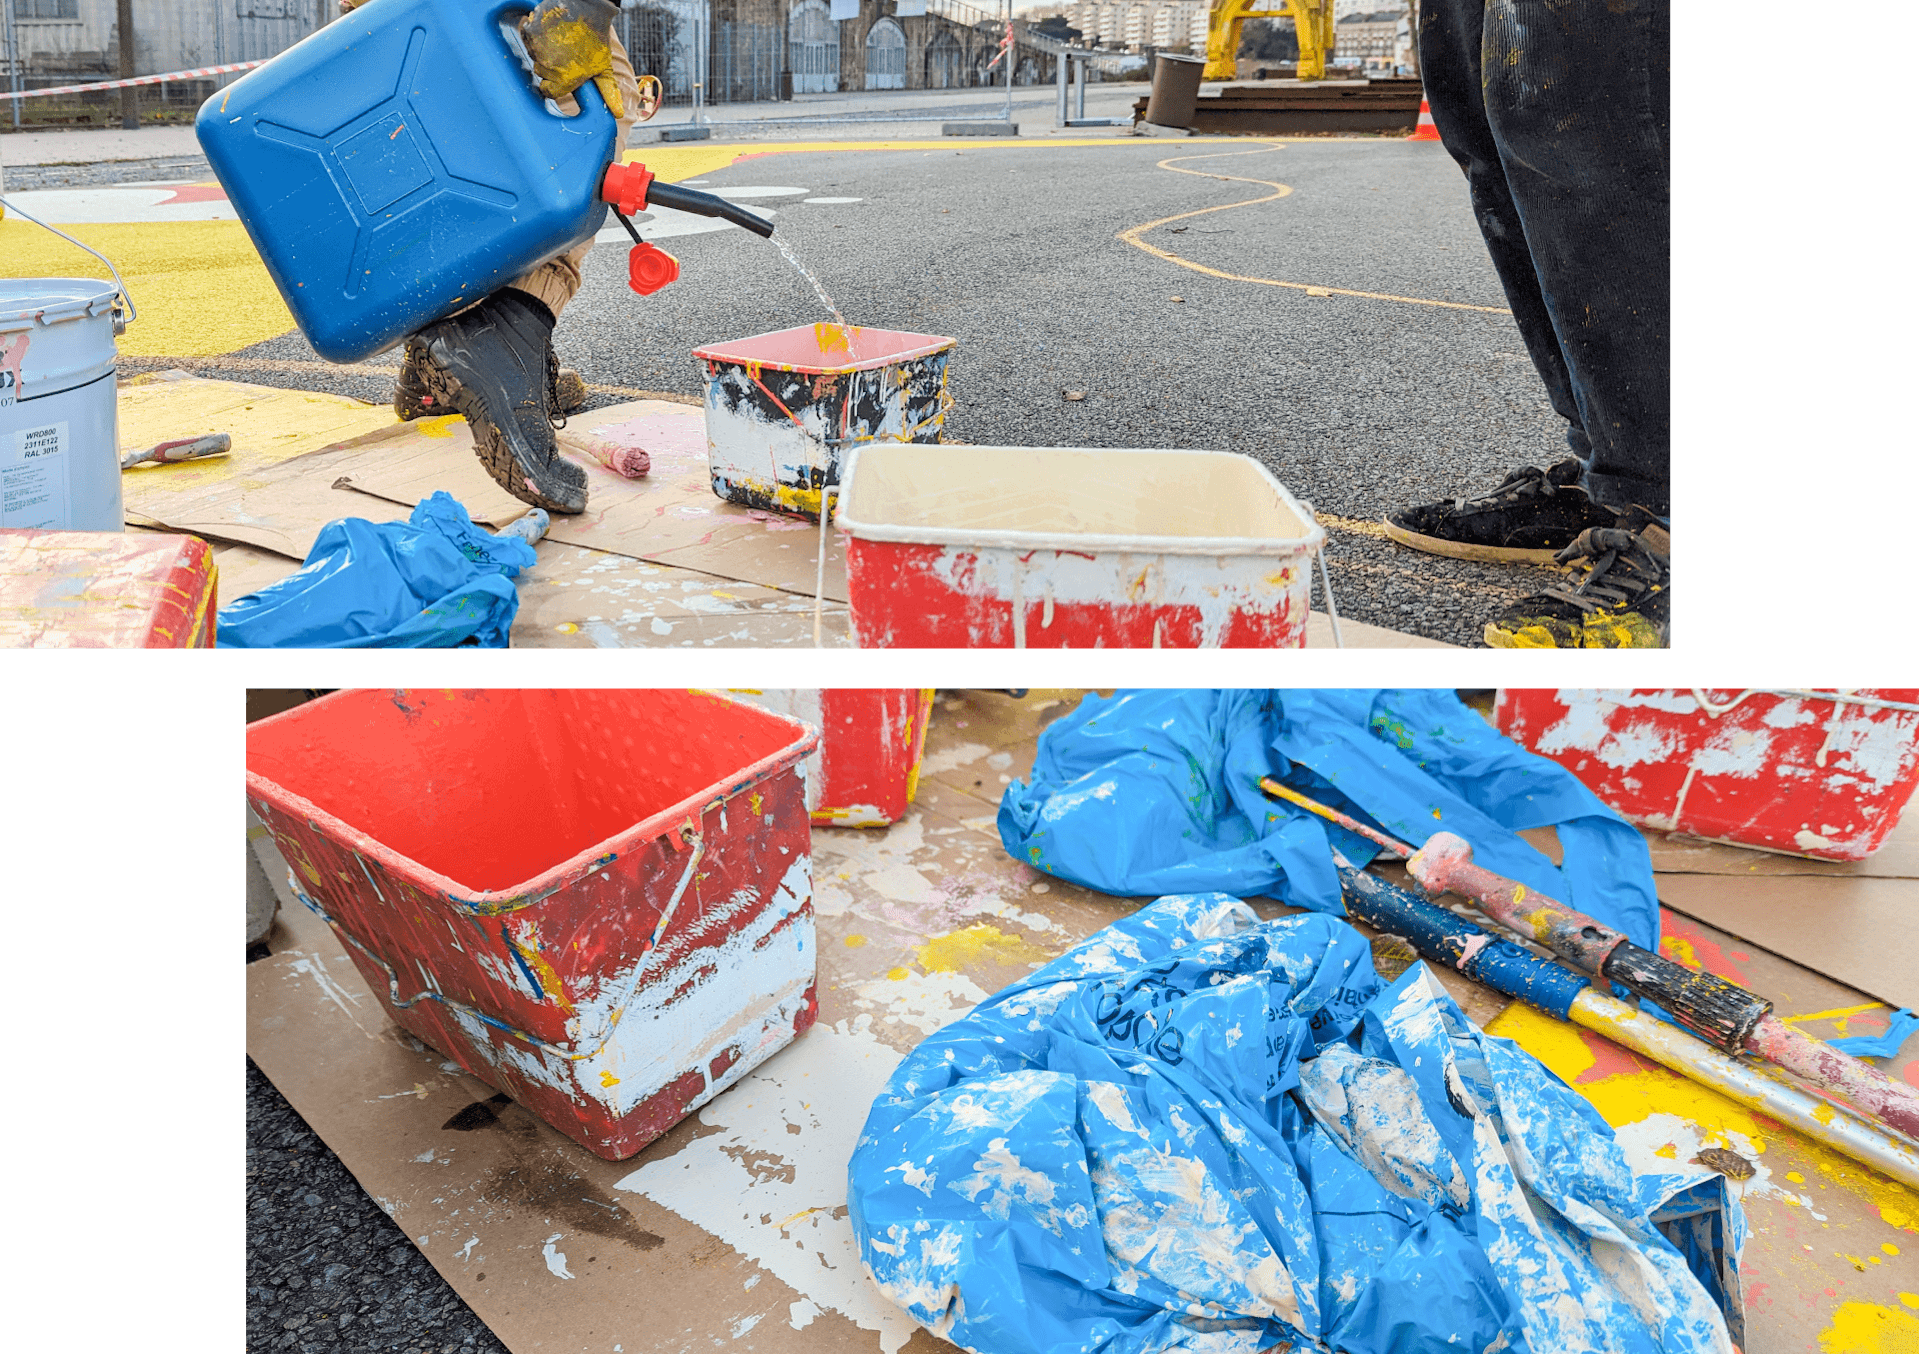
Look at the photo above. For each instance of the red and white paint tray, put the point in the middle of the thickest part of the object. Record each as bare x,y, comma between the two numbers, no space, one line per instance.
866,769
599,902
1065,547
1819,774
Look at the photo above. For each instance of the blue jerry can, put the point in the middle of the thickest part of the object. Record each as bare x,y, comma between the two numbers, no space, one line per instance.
399,165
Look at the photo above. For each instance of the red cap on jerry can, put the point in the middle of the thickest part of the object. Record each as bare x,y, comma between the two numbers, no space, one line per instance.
649,268
625,187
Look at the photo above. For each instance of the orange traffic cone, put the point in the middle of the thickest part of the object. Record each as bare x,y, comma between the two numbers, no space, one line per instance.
1425,131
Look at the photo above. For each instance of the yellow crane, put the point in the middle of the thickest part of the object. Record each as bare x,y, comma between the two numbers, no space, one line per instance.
1313,19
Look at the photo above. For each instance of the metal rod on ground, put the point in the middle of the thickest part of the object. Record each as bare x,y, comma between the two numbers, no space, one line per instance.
1725,1014
1443,938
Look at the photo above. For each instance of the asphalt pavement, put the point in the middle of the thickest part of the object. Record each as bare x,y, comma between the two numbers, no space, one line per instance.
327,1269
1357,404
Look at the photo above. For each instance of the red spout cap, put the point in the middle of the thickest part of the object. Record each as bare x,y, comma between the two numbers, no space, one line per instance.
649,268
625,187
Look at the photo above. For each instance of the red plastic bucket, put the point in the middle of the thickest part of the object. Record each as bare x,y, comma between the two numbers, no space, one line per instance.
1816,774
599,902
867,768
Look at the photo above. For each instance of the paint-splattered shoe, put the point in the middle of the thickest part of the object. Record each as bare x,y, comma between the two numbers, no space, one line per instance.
1531,515
412,400
1623,600
494,364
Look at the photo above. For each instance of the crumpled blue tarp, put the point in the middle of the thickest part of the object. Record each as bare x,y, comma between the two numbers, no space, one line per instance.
1899,1028
433,581
1155,792
1197,1131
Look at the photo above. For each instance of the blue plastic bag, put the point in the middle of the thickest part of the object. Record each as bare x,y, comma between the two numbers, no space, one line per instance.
1198,1131
1155,792
433,581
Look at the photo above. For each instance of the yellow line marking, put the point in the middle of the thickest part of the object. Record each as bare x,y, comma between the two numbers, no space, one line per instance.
269,364
1132,237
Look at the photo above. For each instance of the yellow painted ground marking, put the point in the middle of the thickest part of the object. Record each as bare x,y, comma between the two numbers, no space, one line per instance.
267,426
1132,236
199,286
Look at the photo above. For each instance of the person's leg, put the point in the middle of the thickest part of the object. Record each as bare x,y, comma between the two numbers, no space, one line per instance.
1533,513
1452,40
494,364
1576,99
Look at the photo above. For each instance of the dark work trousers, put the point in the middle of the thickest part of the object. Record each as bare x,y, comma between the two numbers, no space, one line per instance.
1557,111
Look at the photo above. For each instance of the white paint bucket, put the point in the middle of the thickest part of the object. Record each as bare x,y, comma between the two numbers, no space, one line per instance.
59,419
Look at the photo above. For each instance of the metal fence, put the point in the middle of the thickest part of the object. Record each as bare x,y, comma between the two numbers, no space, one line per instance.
745,63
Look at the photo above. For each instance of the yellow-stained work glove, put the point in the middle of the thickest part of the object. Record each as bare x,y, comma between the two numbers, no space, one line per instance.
570,42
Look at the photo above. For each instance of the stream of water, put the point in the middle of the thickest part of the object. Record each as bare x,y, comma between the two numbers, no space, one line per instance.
819,291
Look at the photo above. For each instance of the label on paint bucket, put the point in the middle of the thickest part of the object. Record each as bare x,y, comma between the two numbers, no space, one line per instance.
33,477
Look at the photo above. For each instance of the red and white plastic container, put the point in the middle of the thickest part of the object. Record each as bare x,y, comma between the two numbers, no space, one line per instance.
866,769
599,902
1064,547
1819,774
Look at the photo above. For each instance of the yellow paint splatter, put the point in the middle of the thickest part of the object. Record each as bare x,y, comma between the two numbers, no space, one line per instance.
898,973
527,944
1795,1177
1868,1328
853,942
441,426
1670,1151
754,800
1888,1248
1910,1299
567,628
960,950
1628,1097
608,1079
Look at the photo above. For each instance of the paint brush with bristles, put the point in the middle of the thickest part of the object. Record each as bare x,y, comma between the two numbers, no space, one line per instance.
1724,1014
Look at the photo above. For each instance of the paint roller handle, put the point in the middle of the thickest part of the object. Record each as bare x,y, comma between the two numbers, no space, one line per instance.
181,449
529,528
1440,937
1459,943
1722,1013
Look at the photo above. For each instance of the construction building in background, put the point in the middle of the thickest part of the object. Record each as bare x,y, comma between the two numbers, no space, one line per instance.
707,51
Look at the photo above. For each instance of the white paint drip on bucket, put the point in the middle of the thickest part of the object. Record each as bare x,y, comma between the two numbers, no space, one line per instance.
59,417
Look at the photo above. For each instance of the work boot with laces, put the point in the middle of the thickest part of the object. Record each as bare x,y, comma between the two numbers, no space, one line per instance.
411,399
1621,600
494,365
1531,515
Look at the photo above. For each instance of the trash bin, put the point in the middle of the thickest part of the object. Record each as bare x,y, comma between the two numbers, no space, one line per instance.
1175,90
600,902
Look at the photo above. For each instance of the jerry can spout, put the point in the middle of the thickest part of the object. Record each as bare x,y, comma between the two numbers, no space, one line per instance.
632,188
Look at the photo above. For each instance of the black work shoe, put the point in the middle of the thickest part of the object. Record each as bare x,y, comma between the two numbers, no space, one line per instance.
411,400
1529,517
494,364
1624,600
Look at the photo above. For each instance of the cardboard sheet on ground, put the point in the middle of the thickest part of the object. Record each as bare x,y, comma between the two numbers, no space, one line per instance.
216,498
670,516
1862,932
727,1230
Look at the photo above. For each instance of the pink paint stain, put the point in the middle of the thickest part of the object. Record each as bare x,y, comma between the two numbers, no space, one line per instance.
13,354
1710,957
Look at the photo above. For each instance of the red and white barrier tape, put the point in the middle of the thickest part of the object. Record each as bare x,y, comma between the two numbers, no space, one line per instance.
199,74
